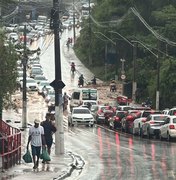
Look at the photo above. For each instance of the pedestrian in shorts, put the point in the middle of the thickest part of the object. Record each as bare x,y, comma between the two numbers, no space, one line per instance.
37,140
49,130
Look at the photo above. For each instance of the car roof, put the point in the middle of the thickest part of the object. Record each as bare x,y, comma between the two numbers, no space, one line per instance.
80,107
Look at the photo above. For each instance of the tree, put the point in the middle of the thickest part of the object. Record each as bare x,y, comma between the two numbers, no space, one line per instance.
8,72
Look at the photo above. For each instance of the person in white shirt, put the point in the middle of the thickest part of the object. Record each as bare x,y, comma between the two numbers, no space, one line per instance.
36,137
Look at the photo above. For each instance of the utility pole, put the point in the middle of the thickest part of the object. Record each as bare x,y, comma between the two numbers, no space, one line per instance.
123,74
74,32
158,79
57,84
90,38
24,62
134,72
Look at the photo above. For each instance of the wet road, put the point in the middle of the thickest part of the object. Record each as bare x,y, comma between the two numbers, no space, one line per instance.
107,155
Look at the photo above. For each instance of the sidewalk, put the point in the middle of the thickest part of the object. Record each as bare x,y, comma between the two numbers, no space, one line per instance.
60,166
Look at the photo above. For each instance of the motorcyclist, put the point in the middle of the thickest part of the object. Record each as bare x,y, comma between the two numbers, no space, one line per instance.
113,85
94,81
73,67
81,80
148,102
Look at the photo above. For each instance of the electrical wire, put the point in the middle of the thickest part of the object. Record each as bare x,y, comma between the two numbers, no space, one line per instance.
158,36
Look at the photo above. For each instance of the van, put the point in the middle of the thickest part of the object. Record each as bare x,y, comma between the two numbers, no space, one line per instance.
81,94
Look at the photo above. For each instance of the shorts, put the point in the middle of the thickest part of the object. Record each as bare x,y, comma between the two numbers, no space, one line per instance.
49,143
36,150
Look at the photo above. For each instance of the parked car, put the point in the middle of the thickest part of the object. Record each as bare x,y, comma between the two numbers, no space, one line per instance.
36,71
13,36
152,125
172,111
87,103
115,121
31,85
98,113
123,108
39,78
168,128
81,115
137,123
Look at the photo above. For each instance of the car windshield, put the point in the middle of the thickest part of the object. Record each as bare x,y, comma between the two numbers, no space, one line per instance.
51,93
44,84
120,114
40,78
159,118
36,70
174,120
81,111
92,103
30,81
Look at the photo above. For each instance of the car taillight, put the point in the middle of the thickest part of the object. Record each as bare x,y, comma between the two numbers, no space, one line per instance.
171,126
100,111
143,120
129,118
117,118
152,122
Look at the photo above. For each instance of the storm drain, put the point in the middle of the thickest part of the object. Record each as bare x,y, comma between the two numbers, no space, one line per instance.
77,165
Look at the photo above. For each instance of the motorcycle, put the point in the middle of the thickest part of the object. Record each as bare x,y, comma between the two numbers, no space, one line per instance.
80,83
112,88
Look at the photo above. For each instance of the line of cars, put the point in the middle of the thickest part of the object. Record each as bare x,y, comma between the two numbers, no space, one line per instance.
141,121
35,79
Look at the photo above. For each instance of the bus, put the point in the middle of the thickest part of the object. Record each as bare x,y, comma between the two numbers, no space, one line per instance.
81,94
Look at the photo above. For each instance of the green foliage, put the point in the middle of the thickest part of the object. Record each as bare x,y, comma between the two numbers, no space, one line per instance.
8,73
116,16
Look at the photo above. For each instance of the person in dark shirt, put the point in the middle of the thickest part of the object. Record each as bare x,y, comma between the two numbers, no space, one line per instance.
49,130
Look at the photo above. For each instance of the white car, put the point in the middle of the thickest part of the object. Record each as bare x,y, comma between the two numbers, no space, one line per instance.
172,111
39,78
87,102
81,115
168,128
137,123
31,84
152,125
13,36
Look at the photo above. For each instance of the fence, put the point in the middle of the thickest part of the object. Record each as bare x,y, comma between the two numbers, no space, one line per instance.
10,145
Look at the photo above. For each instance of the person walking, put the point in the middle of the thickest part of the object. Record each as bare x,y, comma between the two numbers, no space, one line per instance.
49,130
65,101
37,140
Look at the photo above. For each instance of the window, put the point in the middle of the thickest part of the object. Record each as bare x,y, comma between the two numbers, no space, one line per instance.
89,94
76,95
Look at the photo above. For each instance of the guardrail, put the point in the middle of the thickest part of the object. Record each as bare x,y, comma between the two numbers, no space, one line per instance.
10,145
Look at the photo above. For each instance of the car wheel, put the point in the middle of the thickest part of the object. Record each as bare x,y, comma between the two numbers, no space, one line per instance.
168,137
160,137
69,123
148,134
141,133
91,125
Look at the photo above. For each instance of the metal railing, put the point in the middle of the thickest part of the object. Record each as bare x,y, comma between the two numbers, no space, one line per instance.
10,145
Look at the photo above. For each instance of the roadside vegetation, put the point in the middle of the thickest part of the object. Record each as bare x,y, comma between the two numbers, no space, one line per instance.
8,65
150,23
